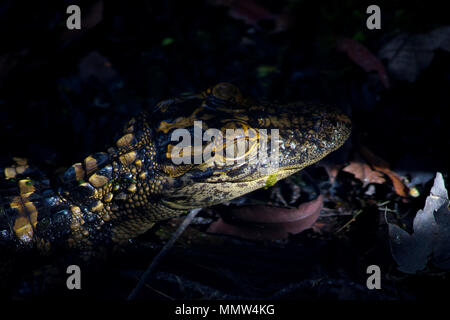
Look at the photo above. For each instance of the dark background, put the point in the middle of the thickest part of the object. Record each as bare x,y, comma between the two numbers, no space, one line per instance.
65,94
50,112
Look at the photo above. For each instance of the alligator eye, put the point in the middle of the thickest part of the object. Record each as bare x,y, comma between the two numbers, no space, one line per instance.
226,91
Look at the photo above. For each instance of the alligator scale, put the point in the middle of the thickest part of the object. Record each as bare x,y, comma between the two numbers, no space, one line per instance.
113,196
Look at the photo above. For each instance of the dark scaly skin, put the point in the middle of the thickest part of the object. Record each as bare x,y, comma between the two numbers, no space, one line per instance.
113,196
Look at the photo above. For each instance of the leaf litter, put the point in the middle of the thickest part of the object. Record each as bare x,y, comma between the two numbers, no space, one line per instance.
430,240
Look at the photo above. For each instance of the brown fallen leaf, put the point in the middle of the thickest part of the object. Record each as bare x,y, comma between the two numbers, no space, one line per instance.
269,223
360,55
363,172
251,13
370,169
382,166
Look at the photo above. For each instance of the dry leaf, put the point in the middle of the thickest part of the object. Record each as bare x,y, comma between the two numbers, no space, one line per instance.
360,55
382,166
408,54
269,223
363,172
251,13
431,236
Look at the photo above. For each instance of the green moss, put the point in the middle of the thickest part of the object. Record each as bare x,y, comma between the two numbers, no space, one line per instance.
271,180
167,41
265,70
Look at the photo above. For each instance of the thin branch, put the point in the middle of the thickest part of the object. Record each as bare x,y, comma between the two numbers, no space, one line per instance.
162,253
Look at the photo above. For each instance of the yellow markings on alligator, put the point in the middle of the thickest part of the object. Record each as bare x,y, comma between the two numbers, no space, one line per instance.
79,171
26,186
264,122
132,187
98,180
181,122
23,229
176,171
125,140
32,213
169,151
98,207
77,219
20,161
243,136
10,173
76,226
26,219
90,163
16,203
21,169
143,175
128,158
21,164
108,197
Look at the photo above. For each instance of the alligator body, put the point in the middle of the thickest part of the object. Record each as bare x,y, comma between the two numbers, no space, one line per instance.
113,196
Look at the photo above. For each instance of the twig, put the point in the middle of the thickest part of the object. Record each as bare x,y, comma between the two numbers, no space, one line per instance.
386,209
350,221
160,292
163,253
383,203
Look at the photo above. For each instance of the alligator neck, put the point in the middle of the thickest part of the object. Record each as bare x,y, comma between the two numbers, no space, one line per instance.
106,199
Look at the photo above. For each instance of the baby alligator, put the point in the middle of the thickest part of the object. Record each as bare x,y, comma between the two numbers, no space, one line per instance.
113,196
